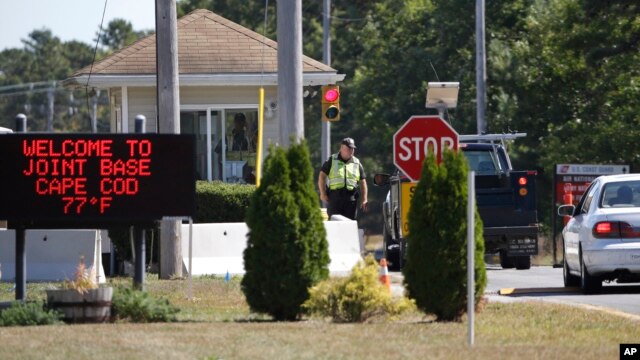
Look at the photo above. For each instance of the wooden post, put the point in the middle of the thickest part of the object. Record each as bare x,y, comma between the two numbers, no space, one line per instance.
290,70
168,100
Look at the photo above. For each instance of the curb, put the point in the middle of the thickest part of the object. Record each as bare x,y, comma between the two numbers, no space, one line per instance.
547,290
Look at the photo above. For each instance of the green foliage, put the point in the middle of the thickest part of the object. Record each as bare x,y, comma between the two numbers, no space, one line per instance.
218,202
284,256
119,33
28,314
312,234
140,307
435,272
356,298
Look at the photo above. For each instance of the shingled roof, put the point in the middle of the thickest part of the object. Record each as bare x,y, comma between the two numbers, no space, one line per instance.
210,49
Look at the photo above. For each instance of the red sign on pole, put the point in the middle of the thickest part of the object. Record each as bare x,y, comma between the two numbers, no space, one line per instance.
418,137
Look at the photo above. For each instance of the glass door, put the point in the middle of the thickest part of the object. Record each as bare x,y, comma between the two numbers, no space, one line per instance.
204,124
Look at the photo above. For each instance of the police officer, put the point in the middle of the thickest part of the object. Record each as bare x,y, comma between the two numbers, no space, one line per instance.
342,181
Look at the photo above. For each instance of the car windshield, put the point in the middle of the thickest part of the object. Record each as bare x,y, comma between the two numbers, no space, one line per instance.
481,161
621,194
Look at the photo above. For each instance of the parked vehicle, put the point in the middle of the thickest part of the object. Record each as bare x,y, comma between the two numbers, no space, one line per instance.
602,239
505,198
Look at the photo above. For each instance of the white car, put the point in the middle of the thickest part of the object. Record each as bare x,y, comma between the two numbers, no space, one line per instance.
602,239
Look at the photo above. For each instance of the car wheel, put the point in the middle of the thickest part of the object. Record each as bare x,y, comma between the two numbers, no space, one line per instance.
506,261
570,280
589,284
522,262
391,251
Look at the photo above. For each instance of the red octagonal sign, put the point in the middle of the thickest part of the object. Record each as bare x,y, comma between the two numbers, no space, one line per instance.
419,136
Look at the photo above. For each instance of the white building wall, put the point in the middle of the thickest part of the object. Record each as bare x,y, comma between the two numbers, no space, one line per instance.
142,100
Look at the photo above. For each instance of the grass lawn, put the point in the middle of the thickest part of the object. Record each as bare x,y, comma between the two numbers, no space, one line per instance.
217,324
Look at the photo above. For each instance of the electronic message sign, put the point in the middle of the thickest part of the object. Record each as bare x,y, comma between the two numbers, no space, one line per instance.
95,178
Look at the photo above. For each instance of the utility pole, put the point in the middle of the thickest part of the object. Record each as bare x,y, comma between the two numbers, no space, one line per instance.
168,100
481,63
326,58
50,108
290,70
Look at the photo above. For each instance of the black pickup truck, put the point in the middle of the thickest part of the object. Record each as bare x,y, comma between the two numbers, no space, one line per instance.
505,198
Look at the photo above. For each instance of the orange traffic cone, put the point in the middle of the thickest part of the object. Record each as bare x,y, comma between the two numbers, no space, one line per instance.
384,274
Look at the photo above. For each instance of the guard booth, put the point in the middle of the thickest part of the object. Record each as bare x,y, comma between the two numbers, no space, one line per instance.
221,66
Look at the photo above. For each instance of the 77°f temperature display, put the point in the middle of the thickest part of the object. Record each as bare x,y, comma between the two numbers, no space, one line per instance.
103,178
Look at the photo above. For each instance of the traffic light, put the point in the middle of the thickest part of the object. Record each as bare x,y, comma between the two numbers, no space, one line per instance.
330,103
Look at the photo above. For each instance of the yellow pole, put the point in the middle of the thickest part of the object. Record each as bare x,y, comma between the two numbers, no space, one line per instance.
260,126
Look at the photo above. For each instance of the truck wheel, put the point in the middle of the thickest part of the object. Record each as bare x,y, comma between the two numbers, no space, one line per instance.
391,251
506,261
522,262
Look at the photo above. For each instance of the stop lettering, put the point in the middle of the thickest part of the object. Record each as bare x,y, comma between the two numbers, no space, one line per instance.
417,148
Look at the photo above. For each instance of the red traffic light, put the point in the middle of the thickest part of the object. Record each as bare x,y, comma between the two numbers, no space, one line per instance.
331,95
522,181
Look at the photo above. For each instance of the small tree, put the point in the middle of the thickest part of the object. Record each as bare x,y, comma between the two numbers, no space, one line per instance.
287,250
435,273
312,235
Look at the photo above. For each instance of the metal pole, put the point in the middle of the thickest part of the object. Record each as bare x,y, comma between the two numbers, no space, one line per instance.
470,254
481,76
94,112
51,99
190,258
290,70
554,216
21,123
21,264
325,141
138,232
21,253
168,102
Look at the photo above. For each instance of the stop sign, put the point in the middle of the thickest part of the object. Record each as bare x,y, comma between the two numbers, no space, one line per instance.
419,136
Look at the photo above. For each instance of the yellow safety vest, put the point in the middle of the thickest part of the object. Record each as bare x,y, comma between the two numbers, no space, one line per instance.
344,174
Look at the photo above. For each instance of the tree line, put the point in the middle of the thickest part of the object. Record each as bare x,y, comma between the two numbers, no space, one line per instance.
563,71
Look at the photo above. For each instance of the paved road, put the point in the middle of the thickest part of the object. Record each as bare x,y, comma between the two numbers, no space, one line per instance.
545,283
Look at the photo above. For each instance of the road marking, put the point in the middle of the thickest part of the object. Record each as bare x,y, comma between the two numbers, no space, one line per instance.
545,290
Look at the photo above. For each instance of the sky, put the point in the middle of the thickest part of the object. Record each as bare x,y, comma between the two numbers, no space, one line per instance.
68,19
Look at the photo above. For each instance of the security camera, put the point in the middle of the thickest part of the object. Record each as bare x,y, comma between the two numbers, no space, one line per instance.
273,105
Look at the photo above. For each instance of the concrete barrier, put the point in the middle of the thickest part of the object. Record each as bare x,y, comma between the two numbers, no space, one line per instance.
218,248
52,255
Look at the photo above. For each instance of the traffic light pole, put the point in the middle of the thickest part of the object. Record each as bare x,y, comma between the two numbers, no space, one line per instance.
325,140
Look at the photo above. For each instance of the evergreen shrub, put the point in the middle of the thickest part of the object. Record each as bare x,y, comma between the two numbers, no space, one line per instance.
435,272
286,251
140,307
27,314
218,202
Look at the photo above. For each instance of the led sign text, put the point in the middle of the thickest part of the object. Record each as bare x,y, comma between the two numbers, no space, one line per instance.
96,176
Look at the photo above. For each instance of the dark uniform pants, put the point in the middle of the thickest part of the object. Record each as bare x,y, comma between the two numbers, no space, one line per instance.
343,202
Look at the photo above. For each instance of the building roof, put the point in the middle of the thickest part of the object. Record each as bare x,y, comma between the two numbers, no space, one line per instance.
212,50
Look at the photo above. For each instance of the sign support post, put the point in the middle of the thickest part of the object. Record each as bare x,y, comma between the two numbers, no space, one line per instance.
138,232
21,252
471,283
